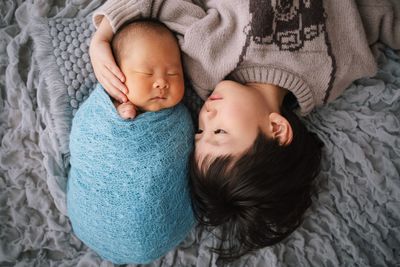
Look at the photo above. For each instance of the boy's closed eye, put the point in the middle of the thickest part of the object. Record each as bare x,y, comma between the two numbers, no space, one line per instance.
218,131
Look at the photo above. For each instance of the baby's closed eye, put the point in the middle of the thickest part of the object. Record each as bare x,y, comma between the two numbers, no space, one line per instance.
146,73
172,73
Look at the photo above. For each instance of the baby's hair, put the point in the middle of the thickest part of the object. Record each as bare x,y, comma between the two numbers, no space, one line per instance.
260,198
129,31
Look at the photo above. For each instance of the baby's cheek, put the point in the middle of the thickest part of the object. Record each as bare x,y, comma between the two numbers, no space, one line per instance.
136,91
131,96
171,103
137,99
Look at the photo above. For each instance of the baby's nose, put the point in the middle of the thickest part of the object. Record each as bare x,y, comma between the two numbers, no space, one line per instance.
160,83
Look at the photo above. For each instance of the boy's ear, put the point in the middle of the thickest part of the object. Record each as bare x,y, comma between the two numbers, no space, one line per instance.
280,129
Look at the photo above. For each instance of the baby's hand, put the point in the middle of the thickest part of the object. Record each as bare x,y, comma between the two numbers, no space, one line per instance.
127,110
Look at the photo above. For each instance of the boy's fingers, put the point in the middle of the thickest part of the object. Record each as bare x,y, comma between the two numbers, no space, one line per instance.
116,82
120,86
117,72
114,92
121,97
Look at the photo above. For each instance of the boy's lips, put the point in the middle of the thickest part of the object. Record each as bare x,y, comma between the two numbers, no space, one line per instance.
215,96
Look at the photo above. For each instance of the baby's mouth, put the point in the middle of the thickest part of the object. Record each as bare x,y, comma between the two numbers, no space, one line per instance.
158,98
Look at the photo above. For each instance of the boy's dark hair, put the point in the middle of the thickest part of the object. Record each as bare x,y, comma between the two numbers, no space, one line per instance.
258,199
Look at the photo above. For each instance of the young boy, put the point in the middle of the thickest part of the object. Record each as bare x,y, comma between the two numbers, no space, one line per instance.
254,160
127,195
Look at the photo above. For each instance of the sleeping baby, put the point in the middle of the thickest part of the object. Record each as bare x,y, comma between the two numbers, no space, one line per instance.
127,194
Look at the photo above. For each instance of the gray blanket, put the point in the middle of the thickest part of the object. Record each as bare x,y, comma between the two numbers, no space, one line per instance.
354,219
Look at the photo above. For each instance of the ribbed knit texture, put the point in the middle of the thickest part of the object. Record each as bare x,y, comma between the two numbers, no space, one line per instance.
282,78
314,49
120,12
127,195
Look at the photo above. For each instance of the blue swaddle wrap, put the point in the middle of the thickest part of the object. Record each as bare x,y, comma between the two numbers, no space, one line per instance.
128,196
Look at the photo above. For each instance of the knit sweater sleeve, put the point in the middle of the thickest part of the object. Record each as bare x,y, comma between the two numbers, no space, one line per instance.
181,12
381,20
211,36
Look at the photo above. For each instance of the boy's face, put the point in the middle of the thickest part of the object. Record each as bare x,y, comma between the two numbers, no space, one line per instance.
153,71
230,120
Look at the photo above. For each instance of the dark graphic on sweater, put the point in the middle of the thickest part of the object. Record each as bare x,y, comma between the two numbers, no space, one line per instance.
286,23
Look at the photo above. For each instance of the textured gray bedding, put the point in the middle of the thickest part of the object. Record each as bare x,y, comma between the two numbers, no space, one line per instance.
355,217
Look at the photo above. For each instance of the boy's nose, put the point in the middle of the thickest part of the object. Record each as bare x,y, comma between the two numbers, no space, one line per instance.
210,110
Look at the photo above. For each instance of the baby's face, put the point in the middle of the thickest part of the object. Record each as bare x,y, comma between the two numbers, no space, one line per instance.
153,71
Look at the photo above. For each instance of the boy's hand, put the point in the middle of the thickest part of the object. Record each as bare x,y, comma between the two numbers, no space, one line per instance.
127,110
106,70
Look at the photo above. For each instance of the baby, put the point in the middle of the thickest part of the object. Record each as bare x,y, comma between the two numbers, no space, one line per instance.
127,194
149,56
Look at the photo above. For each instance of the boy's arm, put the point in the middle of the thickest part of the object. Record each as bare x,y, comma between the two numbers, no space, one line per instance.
179,12
211,37
381,19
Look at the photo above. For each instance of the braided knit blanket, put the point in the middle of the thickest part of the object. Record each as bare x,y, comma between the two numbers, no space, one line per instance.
127,193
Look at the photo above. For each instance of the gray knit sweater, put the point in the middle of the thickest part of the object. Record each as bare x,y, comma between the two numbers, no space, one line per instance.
313,48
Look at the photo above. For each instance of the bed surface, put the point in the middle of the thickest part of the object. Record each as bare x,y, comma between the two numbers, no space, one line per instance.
354,219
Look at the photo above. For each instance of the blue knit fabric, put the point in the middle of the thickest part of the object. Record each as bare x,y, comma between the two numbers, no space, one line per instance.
127,195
